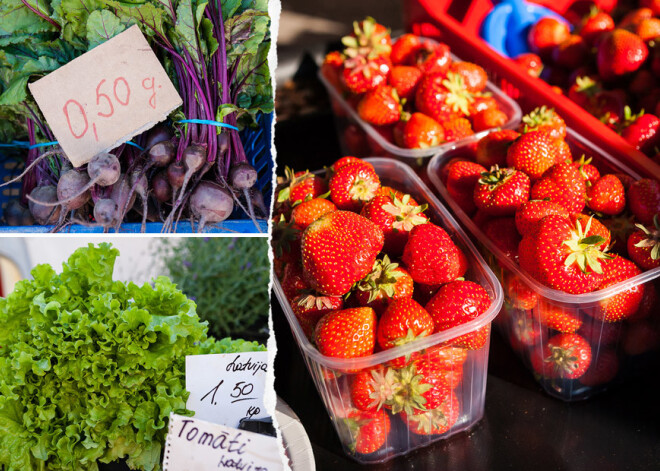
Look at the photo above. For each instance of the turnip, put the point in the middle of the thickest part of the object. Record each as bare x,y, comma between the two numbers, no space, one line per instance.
44,214
210,203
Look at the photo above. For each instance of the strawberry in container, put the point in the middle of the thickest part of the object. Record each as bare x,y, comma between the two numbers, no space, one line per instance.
410,96
389,302
573,235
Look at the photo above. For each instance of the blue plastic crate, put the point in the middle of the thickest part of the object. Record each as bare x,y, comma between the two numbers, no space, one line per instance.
257,144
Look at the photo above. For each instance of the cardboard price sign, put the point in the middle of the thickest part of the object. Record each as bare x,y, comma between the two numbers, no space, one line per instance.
106,96
196,445
225,388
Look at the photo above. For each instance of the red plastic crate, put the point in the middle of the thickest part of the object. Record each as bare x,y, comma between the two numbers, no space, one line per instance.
438,19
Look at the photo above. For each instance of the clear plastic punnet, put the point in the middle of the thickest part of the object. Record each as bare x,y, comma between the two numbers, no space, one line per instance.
619,349
345,115
468,368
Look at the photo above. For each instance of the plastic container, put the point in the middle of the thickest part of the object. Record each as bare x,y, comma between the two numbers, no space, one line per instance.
257,145
622,343
333,376
415,157
457,23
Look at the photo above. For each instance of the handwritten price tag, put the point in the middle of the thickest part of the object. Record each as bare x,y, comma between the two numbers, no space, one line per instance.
225,388
195,445
106,96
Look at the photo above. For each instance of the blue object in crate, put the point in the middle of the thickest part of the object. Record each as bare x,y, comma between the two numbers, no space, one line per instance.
256,143
506,26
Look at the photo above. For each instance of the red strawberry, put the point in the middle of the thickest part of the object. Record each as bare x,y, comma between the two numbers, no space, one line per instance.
653,5
353,185
339,249
309,308
600,333
332,68
620,52
644,200
432,257
533,211
403,321
571,53
502,191
546,34
462,177
361,74
443,98
531,63
309,211
482,102
346,161
493,147
607,196
436,421
405,49
373,389
559,318
386,282
583,92
286,241
301,186
369,430
293,281
641,130
396,216
380,106
433,58
620,228
422,387
625,303
609,106
520,294
564,356
594,26
404,79
644,245
474,76
533,153
457,128
503,233
648,29
544,119
525,331
563,184
450,360
588,171
488,119
421,131
561,256
348,333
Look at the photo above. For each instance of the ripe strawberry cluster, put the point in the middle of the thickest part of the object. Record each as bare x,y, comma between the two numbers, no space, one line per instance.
409,90
569,227
366,270
610,68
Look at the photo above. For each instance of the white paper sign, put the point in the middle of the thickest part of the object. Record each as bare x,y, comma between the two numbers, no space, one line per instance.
197,445
225,388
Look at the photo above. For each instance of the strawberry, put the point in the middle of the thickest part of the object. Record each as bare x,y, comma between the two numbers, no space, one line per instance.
404,79
544,119
432,257
648,29
348,333
571,53
609,106
462,177
482,102
369,38
546,34
589,172
533,153
386,282
293,281
404,49
353,185
369,430
435,421
443,98
620,228
620,52
644,245
339,249
488,119
520,294
525,331
493,147
625,303
561,256
600,333
635,16
653,5
503,233
603,369
346,161
564,356
286,241
309,308
562,184
403,321
583,92
396,216
380,106
595,228
450,360
502,191
332,67
474,76
301,186
559,318
528,216
421,132
457,128
422,387
309,211
607,196
433,58
531,63
644,200
373,389
594,26
641,130
361,74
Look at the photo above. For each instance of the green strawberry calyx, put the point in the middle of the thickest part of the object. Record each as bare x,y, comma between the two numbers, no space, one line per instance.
652,239
365,41
406,215
284,233
409,397
496,176
381,280
384,385
584,250
430,421
310,300
563,360
538,117
459,98
587,85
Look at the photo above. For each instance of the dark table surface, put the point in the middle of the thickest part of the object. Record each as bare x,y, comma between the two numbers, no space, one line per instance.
523,428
